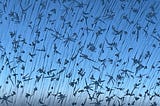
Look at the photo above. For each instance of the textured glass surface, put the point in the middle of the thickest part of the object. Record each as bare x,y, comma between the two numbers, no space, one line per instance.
79,53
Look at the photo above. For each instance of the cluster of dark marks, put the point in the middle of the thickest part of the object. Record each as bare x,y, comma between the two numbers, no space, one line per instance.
79,53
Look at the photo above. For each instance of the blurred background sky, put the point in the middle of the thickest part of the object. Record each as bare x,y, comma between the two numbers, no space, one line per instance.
77,24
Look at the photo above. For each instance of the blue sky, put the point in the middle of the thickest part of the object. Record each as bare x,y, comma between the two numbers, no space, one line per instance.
82,27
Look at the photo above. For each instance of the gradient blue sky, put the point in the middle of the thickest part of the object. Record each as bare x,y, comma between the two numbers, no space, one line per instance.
28,23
